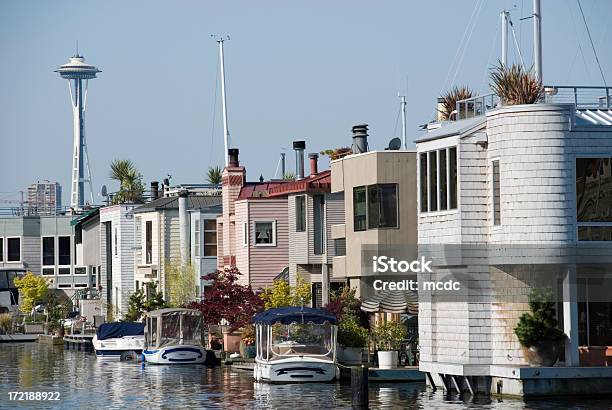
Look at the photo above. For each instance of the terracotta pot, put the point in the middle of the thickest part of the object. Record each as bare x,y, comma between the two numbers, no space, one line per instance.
543,354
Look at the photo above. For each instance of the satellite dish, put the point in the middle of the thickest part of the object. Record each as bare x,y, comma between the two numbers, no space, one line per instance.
103,191
395,144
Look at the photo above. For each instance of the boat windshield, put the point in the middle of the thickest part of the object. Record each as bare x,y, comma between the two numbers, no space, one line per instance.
302,339
174,328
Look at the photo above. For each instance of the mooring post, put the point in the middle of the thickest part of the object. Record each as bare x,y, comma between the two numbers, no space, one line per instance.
359,386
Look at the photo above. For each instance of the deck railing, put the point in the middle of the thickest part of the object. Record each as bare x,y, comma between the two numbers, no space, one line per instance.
583,97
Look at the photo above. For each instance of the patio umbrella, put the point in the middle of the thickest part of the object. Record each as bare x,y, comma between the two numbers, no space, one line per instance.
392,301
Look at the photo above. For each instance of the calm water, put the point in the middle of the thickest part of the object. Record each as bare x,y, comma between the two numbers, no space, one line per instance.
84,382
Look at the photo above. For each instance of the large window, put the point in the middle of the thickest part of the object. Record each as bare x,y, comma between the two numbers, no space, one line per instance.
210,237
375,206
319,223
13,249
300,213
359,208
148,242
48,251
265,234
196,237
63,250
438,180
594,198
496,192
1,249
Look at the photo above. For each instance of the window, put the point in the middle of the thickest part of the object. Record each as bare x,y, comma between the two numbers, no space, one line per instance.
496,193
13,249
424,183
63,271
245,234
300,213
48,271
210,237
265,233
115,244
359,208
148,242
1,249
593,198
380,207
48,251
63,250
438,180
81,270
319,223
196,237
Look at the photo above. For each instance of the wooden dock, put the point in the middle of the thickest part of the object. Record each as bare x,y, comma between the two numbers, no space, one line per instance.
79,342
50,340
20,338
398,374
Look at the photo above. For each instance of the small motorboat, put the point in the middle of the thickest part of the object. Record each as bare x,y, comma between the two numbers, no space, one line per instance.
174,336
295,344
119,340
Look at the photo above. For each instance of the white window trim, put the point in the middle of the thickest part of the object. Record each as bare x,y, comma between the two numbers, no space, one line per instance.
245,234
197,237
70,238
80,274
203,230
6,239
436,152
501,223
42,271
144,242
54,252
264,245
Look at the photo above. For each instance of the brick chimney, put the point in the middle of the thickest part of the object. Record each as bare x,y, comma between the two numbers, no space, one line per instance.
314,166
232,180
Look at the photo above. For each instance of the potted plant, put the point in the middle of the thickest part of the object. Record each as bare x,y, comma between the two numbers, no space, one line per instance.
352,338
247,344
389,337
538,331
6,323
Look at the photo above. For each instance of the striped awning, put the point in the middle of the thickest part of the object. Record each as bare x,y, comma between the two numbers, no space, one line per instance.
392,301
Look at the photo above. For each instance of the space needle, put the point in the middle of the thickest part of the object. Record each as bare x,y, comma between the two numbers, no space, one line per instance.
75,71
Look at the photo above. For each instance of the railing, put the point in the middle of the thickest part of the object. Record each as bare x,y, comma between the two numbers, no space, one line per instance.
476,106
583,97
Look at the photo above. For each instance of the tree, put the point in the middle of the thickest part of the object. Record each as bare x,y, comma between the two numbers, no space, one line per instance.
180,282
540,325
139,304
214,175
450,98
281,294
226,299
131,188
516,85
33,289
344,303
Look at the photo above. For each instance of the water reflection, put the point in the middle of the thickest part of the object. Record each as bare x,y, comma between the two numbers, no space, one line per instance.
84,381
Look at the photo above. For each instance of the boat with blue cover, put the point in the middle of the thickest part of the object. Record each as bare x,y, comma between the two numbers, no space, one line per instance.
119,340
295,344
174,336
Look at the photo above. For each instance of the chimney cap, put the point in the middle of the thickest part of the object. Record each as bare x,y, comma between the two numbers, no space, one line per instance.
183,193
299,144
233,151
313,155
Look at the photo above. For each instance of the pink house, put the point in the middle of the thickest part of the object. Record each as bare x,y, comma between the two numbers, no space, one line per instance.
252,233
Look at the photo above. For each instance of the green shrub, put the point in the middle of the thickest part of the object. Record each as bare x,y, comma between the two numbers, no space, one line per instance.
6,323
541,324
390,335
351,333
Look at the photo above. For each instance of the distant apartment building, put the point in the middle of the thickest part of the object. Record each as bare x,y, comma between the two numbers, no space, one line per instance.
167,233
379,190
516,198
44,198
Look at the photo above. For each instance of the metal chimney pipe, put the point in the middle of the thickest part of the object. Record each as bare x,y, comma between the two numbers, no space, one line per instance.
154,190
183,227
314,166
232,155
299,147
360,138
283,170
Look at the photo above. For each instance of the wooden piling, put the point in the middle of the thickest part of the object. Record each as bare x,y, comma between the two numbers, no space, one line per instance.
359,387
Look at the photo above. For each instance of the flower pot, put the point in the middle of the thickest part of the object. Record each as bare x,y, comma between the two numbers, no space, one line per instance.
543,354
350,355
387,359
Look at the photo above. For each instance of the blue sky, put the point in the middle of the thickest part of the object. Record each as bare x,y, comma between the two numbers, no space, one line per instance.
295,70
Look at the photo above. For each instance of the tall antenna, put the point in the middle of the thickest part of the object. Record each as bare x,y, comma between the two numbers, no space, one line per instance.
226,133
403,108
504,33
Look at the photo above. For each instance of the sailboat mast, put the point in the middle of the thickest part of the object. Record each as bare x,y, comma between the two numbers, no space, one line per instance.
226,134
403,102
537,39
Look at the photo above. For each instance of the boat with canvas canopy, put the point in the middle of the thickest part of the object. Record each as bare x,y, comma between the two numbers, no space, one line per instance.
119,340
295,344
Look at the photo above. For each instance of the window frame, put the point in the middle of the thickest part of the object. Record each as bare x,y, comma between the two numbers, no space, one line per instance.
365,213
300,213
196,237
7,259
42,251
587,224
69,250
452,182
1,249
245,234
204,230
377,188
497,224
262,221
148,243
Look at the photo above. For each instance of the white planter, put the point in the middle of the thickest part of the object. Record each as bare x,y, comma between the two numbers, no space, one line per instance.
387,360
350,355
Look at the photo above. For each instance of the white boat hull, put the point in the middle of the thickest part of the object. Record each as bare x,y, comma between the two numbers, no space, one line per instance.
122,348
179,354
295,370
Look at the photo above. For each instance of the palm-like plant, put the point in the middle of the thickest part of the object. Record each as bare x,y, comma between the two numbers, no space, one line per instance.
214,175
450,98
514,85
131,188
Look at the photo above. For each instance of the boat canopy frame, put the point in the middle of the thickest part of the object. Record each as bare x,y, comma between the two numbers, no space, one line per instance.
154,336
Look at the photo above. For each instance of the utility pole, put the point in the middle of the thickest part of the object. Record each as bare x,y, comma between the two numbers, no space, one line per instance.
226,133
504,33
403,105
537,40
